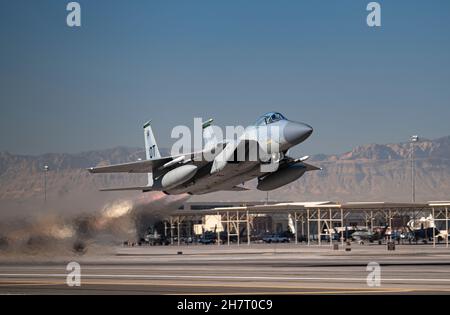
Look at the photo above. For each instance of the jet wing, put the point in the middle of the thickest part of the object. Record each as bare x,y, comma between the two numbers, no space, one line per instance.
288,160
131,167
310,167
148,166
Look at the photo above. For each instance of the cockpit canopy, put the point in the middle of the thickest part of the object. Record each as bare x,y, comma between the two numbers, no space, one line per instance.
269,118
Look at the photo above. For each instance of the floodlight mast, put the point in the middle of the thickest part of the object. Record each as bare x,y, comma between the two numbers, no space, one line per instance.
45,182
413,139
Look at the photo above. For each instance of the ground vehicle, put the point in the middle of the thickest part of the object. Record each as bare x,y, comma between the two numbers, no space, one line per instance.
208,238
206,241
363,235
275,238
156,239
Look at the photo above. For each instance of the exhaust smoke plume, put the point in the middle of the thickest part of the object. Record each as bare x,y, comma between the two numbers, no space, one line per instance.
54,233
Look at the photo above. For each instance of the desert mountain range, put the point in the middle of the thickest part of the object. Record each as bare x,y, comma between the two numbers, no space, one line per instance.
373,172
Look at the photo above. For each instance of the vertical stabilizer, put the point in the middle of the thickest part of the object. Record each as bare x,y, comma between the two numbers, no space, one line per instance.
151,148
209,137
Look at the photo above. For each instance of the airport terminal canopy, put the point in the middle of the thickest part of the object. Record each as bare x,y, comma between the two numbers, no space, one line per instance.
269,118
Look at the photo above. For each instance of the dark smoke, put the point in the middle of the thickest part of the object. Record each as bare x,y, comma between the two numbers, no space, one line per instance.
58,234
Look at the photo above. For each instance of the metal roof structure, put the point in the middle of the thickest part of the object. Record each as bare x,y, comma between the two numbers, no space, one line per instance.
293,206
312,216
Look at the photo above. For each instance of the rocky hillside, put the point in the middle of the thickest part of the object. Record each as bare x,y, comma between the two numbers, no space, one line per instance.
369,172
380,172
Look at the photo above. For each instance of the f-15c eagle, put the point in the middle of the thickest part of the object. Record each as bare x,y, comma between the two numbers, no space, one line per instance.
230,162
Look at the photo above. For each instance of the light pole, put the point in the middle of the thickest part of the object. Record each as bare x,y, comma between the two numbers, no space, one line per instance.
413,139
45,182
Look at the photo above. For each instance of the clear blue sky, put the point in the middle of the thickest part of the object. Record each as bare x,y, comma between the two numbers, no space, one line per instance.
71,90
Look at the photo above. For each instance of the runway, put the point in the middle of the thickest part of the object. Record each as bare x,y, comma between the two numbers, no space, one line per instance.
217,270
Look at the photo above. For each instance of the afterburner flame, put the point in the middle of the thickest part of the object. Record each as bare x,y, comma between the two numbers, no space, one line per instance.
61,232
117,209
114,211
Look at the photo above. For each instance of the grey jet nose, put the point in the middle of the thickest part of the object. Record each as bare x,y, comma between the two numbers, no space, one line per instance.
295,132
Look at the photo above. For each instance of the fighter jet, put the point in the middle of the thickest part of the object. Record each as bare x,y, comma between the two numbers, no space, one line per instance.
229,163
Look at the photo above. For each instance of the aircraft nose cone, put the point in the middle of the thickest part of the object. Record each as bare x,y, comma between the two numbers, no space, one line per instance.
295,132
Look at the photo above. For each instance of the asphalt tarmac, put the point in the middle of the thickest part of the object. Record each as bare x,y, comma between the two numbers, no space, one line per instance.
218,270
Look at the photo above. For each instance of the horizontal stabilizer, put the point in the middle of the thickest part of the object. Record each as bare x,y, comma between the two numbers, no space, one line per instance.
237,188
143,188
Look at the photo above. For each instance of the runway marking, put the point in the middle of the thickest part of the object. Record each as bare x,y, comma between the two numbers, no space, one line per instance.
156,283
206,277
318,290
336,290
